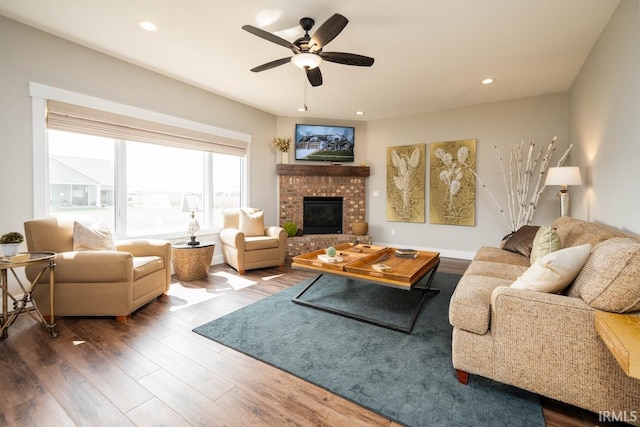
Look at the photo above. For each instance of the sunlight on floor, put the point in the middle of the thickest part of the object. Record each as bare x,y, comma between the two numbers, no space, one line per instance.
272,277
190,296
234,281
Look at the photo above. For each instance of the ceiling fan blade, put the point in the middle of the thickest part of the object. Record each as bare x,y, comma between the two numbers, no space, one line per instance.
315,76
347,58
270,37
327,31
271,64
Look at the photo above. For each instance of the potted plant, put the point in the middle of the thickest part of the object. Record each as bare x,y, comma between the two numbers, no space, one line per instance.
291,228
282,145
10,242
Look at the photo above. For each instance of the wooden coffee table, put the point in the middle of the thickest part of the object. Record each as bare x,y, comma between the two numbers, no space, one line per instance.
358,263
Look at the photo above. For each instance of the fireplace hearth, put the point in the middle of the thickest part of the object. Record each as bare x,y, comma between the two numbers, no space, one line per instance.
322,215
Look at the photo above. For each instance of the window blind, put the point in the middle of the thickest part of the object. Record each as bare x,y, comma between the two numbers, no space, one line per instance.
89,121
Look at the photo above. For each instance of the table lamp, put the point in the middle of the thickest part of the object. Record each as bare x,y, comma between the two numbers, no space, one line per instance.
192,203
564,176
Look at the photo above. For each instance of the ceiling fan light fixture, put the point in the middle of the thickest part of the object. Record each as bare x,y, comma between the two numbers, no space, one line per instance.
306,60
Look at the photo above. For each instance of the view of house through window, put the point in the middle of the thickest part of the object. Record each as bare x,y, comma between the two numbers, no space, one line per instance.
136,189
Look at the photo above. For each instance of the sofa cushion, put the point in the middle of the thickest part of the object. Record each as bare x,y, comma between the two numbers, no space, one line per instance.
574,232
251,222
492,254
522,240
553,272
470,306
546,241
92,238
260,242
609,279
145,265
496,269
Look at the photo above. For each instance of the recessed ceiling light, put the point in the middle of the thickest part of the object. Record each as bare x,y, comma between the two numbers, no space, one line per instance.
147,25
360,113
488,81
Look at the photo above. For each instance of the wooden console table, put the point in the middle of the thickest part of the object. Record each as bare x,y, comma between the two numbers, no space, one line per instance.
621,334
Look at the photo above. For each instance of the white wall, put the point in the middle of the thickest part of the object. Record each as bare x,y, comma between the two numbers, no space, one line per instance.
604,125
505,124
27,54
605,121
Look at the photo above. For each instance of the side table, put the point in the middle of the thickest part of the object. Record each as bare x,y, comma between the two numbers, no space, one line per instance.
192,262
621,335
47,261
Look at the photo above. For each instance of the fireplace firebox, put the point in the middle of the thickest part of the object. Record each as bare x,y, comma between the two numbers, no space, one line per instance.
322,215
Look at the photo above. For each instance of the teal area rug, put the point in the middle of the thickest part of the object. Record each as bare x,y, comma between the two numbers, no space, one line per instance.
407,378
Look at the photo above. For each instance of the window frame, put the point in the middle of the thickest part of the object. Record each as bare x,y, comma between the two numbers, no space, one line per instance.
41,93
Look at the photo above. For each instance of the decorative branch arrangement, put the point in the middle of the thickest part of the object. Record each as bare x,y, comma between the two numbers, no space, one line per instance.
522,199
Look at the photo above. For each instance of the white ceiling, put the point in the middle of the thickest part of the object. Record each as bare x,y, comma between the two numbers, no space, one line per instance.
429,54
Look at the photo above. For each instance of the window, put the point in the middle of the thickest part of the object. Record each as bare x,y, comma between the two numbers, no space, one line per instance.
155,178
131,168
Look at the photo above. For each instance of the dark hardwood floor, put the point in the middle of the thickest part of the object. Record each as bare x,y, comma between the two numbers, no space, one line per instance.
153,371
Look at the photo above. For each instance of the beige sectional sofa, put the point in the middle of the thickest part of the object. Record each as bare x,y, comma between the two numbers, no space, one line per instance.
543,342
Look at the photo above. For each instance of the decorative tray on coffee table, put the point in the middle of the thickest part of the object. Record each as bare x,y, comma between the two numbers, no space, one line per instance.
397,268
346,253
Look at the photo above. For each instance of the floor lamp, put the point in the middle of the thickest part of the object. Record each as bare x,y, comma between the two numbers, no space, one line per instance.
564,176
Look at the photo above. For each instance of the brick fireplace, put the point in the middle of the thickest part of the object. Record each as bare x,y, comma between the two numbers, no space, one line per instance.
299,181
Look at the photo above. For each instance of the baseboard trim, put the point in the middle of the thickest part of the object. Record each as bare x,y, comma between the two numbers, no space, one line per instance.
444,253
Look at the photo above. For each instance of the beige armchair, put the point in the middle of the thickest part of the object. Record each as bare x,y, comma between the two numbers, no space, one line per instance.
98,283
248,244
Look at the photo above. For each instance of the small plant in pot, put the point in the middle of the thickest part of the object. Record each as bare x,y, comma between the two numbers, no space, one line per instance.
291,228
10,242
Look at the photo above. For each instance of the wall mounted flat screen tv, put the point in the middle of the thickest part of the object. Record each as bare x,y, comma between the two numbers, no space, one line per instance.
325,143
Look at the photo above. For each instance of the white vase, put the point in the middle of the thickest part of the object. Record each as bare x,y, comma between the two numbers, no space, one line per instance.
10,249
285,157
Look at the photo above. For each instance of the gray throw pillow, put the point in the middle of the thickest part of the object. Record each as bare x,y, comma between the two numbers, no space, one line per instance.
521,241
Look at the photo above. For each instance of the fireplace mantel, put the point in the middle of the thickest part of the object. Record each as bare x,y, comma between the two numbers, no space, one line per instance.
321,170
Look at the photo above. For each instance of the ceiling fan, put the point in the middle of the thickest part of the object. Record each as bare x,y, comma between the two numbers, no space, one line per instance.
307,50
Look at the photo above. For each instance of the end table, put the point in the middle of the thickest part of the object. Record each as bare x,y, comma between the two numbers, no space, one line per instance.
21,304
192,262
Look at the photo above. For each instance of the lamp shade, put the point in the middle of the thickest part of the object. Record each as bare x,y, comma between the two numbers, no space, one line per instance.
566,175
192,203
304,60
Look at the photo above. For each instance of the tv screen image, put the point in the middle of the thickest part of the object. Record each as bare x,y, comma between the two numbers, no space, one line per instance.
325,143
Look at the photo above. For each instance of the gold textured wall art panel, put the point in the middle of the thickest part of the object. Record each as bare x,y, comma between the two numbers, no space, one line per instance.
406,166
452,185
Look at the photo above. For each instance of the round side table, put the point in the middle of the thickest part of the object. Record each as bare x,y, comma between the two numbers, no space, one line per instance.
192,262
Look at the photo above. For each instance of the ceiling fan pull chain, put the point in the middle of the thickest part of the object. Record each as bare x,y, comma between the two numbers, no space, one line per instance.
304,107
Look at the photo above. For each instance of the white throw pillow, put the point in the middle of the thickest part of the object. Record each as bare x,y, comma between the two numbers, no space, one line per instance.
251,223
92,238
553,272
